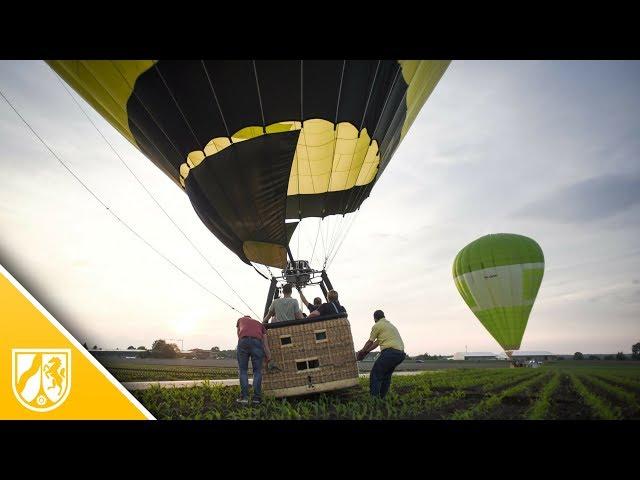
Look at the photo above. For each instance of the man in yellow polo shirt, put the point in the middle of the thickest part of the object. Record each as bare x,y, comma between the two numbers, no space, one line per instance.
385,335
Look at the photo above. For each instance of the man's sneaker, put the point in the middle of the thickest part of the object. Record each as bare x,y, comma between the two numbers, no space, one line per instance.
243,401
256,401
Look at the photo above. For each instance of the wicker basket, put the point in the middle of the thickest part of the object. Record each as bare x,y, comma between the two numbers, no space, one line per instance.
311,355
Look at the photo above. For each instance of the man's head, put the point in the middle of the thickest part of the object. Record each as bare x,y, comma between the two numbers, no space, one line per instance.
287,289
317,301
377,315
332,296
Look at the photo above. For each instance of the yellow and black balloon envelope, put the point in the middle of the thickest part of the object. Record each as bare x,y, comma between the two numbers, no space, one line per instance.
254,143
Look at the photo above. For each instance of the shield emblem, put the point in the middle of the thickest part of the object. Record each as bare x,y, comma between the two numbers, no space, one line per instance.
41,377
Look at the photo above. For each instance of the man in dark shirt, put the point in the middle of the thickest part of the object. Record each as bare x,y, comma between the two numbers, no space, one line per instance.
311,306
331,307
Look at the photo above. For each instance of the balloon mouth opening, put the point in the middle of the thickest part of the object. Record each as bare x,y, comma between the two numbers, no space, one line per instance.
509,353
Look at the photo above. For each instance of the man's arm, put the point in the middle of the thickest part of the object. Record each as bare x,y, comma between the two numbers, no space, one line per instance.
368,347
298,312
371,344
302,297
304,301
315,313
270,313
265,345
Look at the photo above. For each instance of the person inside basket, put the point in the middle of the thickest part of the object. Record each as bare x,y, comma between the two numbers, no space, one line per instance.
331,307
252,344
284,308
385,335
311,306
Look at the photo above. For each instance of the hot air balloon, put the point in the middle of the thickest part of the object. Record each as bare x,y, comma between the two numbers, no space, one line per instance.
258,146
499,276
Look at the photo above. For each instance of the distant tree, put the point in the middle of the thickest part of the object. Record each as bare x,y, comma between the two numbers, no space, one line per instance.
85,346
162,349
215,349
608,357
142,347
594,357
578,356
620,356
635,351
131,347
95,347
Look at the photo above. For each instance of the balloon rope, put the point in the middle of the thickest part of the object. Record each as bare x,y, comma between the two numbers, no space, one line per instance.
316,242
152,197
216,98
344,236
73,174
366,107
337,231
255,73
386,100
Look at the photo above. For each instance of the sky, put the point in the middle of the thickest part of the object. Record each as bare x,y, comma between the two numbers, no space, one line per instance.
546,149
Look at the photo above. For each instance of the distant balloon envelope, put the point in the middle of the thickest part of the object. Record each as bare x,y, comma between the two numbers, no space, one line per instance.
499,276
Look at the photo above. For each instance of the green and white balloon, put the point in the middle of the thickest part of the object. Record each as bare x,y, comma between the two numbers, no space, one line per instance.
499,276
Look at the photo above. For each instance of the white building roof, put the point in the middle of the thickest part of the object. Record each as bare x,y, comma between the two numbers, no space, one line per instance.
462,355
531,353
110,350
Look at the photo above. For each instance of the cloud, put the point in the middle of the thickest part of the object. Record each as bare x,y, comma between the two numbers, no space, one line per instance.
587,201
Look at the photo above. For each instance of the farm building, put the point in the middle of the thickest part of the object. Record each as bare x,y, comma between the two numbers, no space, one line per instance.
538,356
99,354
310,355
474,356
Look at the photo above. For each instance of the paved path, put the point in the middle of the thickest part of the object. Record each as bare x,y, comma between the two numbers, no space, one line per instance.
227,382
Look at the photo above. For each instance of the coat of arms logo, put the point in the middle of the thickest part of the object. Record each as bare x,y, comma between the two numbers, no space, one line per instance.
41,377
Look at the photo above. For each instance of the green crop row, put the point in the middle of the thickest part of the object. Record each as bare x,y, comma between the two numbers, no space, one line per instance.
599,406
614,391
541,407
484,407
622,380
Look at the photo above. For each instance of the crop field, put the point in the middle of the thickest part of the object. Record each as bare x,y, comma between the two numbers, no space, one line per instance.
552,392
130,372
184,369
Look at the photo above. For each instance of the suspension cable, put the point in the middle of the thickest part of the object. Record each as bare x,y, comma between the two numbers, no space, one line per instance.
344,236
120,220
216,99
255,73
152,197
316,242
